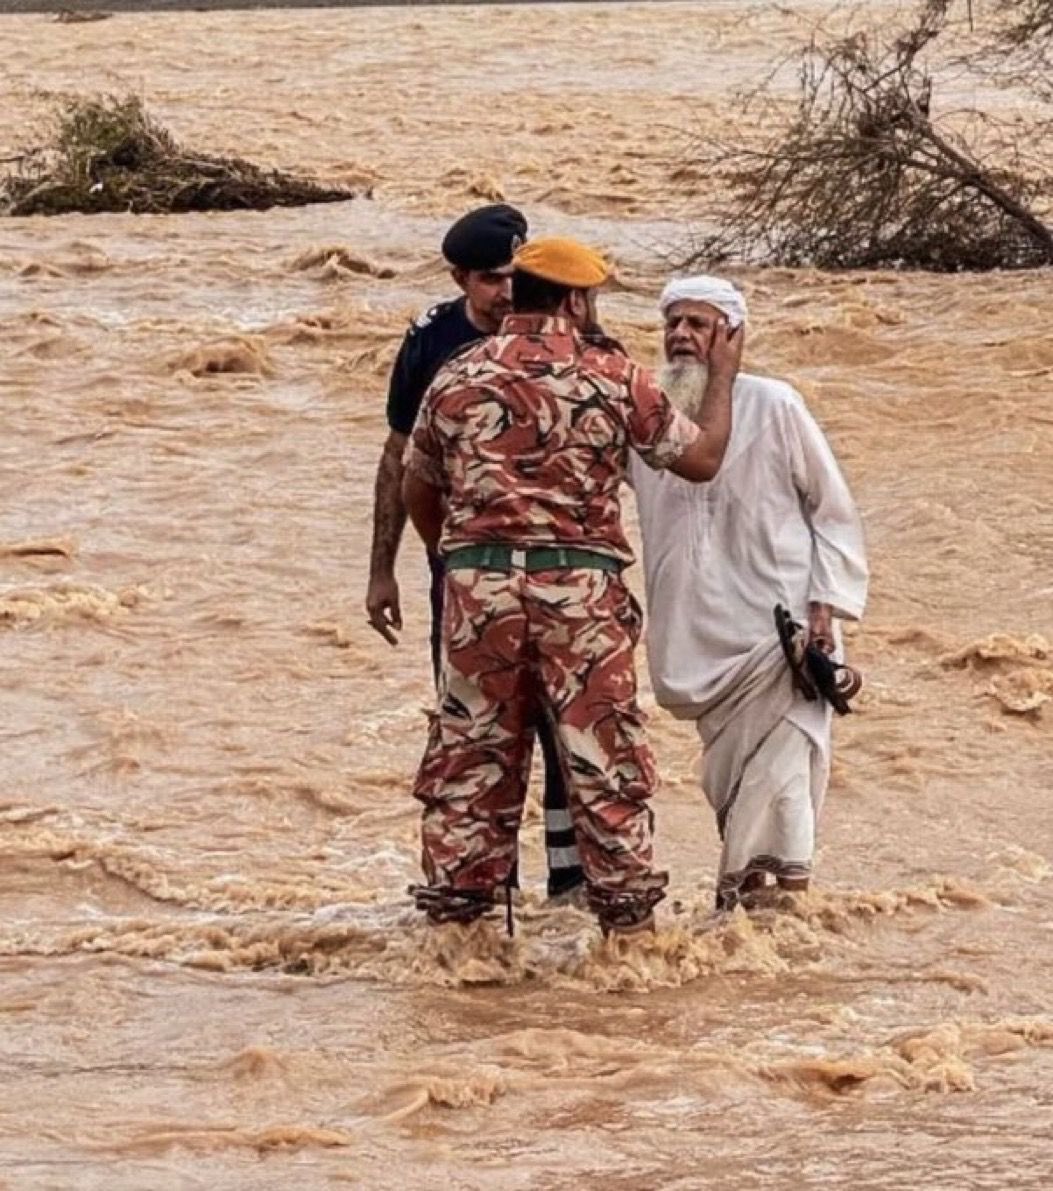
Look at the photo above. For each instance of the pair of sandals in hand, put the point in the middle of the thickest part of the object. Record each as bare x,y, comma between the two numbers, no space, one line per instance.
815,674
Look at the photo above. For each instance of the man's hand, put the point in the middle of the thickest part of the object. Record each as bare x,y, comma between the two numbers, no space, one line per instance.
382,606
725,350
821,626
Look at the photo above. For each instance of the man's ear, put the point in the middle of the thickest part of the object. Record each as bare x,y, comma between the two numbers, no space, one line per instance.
460,278
577,304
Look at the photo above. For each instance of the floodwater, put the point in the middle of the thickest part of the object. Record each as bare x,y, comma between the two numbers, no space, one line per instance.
210,976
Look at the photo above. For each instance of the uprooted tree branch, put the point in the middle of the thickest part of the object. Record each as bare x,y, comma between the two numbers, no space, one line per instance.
109,155
863,174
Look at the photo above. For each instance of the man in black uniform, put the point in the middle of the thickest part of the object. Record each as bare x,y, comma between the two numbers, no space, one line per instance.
478,248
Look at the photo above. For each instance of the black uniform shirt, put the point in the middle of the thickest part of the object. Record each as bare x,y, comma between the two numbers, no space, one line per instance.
429,343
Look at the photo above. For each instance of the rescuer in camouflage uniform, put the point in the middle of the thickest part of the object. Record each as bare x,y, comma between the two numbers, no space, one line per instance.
479,248
513,475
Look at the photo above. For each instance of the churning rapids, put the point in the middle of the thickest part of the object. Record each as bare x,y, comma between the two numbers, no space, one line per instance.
210,975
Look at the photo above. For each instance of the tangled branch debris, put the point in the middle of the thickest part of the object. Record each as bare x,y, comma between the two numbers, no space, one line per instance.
108,154
865,175
1017,48
1026,21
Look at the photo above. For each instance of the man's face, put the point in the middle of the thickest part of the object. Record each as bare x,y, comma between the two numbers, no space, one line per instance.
689,328
489,294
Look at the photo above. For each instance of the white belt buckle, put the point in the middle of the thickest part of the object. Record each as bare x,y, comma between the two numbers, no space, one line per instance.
518,558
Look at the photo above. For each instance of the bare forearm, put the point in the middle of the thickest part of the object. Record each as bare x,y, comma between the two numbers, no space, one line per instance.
701,460
426,509
428,523
389,513
714,418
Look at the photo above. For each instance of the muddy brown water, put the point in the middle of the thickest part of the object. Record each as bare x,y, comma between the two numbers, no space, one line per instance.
209,973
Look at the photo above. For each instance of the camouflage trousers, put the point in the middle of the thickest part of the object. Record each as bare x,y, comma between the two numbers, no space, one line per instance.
563,639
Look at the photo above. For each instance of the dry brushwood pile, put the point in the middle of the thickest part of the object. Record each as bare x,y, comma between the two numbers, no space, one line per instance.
109,155
866,175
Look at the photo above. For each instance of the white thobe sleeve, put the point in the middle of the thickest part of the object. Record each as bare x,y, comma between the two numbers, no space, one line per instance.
839,565
630,472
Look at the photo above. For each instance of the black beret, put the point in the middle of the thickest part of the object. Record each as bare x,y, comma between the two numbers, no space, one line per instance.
485,238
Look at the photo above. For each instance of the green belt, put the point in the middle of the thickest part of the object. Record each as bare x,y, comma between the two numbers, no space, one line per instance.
529,558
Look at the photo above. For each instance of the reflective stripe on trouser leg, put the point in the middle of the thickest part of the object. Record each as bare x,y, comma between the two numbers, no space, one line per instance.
472,780
561,847
584,625
436,585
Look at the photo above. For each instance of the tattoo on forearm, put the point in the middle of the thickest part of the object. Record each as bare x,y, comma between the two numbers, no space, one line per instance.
389,513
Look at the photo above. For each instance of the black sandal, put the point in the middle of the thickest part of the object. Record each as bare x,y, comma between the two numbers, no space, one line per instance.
814,674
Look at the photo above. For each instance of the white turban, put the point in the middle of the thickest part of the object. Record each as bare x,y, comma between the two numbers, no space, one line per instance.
713,290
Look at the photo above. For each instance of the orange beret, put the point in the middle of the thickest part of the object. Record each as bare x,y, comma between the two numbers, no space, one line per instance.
563,261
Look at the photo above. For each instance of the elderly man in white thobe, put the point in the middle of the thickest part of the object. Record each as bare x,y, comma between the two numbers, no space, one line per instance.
776,526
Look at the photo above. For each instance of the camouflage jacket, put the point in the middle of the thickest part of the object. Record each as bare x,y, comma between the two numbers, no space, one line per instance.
528,434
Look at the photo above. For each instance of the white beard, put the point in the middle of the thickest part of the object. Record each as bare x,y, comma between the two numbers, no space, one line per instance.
684,382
